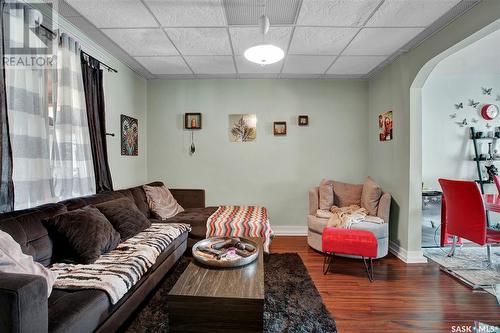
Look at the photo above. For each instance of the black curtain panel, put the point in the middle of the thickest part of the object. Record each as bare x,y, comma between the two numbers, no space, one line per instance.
6,184
94,97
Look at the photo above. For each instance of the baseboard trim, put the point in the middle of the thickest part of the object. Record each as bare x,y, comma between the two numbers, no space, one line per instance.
409,257
289,230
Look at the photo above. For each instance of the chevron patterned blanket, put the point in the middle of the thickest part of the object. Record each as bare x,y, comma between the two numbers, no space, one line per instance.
241,221
119,270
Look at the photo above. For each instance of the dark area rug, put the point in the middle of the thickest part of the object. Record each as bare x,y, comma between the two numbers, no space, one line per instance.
292,302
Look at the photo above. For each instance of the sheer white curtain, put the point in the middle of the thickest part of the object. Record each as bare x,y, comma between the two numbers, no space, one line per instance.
73,170
29,123
29,135
49,133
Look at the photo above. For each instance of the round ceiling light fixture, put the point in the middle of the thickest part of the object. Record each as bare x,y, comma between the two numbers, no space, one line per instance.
264,54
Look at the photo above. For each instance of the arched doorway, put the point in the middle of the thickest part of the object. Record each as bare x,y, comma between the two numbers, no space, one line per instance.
417,131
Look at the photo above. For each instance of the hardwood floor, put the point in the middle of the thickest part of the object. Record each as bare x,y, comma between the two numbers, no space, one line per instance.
403,298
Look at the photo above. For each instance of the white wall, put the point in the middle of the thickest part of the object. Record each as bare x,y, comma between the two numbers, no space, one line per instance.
272,171
446,149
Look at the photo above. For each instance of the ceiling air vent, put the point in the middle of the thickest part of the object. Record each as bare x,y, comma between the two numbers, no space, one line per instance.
247,12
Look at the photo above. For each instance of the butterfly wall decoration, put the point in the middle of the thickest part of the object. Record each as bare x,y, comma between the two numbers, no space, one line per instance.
486,91
462,123
473,103
474,120
453,115
459,106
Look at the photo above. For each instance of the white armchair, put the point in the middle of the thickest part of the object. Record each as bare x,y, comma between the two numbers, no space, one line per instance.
317,224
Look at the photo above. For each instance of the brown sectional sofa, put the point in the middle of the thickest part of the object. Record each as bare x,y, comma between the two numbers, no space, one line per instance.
24,306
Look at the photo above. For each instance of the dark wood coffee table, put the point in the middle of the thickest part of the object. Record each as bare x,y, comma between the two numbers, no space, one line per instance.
208,299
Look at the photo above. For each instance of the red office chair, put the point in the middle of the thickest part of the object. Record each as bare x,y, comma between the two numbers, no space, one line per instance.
465,214
497,183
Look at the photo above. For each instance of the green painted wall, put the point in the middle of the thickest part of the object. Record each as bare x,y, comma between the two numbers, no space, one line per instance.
125,93
397,164
272,171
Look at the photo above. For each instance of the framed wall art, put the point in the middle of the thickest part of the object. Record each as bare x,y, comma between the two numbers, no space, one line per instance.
279,128
385,126
242,127
192,121
129,136
303,120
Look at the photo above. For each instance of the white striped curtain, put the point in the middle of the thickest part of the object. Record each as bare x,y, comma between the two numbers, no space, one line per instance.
73,170
51,151
30,136
27,105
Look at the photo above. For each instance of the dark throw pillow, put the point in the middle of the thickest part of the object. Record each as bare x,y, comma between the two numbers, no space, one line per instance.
85,233
125,217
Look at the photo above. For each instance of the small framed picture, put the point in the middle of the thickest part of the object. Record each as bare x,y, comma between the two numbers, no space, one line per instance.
303,120
192,121
279,128
385,126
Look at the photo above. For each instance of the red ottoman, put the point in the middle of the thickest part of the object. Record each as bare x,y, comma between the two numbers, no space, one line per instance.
349,241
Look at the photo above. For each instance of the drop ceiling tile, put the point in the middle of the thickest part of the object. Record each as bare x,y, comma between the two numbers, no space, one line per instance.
381,41
320,40
111,47
175,13
164,65
410,13
352,13
352,65
115,13
295,64
211,64
247,67
201,41
245,37
142,42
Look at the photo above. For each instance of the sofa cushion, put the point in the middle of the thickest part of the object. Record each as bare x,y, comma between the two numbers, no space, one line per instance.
124,216
379,230
86,310
316,224
82,235
137,194
370,196
80,202
78,310
196,217
347,194
325,194
161,202
27,229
